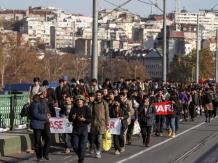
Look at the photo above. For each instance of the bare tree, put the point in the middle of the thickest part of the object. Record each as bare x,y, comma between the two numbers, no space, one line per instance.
6,44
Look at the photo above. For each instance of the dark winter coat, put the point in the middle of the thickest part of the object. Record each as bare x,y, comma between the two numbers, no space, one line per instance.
64,110
38,115
146,118
51,96
80,112
176,106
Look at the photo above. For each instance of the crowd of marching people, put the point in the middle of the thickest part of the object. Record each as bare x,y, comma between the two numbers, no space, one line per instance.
131,100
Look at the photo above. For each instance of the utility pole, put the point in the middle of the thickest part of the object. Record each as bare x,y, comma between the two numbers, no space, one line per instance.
164,43
197,51
94,64
216,70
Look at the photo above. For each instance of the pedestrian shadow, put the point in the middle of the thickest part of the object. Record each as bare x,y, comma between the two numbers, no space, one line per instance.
135,145
210,156
186,123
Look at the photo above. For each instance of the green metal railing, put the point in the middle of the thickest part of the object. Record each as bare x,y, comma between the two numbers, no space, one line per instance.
10,108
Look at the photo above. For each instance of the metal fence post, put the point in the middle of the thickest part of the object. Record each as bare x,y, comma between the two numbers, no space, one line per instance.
12,106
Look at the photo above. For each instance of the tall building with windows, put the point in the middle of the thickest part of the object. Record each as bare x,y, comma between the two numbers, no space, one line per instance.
209,20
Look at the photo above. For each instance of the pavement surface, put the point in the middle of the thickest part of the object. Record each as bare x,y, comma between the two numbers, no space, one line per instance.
196,142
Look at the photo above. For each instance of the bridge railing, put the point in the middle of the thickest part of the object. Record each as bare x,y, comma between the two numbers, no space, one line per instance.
10,108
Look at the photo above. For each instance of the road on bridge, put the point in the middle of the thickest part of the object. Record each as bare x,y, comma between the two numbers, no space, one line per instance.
196,142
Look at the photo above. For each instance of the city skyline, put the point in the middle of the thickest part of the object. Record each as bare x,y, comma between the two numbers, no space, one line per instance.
134,6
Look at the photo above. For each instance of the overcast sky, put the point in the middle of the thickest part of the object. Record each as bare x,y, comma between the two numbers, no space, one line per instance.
85,6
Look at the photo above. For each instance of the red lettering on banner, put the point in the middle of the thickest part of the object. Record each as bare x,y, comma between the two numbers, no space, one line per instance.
164,108
112,124
56,124
61,124
51,124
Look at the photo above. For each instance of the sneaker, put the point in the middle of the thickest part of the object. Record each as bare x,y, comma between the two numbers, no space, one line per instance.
91,151
173,135
170,133
117,152
67,151
30,151
157,134
98,155
147,145
39,160
122,150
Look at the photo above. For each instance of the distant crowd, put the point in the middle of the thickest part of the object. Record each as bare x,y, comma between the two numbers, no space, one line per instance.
132,100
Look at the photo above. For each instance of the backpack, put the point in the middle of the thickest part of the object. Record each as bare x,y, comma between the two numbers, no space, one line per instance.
25,111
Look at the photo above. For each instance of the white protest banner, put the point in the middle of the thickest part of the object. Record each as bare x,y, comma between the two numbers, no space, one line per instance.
60,125
115,126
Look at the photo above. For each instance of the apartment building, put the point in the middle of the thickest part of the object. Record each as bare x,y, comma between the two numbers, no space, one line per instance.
208,20
62,35
12,15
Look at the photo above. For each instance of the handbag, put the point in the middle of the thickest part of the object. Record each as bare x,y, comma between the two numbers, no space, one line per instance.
107,141
136,129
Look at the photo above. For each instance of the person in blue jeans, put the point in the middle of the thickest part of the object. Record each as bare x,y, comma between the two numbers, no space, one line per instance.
172,119
64,112
80,115
171,124
99,123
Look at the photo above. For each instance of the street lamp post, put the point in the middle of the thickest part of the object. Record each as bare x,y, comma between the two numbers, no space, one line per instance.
164,43
197,51
216,67
94,65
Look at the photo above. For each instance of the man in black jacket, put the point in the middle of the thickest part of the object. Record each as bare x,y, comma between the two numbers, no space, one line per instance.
80,115
146,113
